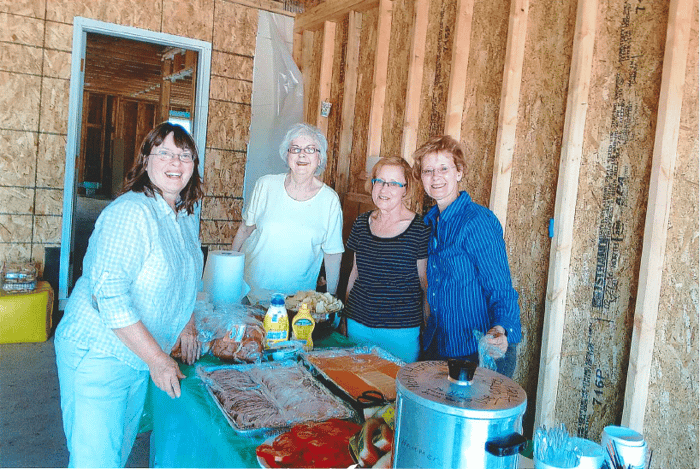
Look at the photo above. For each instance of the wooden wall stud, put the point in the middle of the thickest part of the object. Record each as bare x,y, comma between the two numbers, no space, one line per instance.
564,209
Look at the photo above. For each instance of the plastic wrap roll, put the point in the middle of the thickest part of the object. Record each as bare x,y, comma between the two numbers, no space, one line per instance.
223,277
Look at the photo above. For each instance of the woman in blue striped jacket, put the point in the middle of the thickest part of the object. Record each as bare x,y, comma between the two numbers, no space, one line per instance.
469,283
386,300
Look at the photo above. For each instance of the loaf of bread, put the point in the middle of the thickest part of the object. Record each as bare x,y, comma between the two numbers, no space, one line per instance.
244,344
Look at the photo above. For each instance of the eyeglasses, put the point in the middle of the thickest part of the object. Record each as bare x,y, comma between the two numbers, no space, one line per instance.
389,184
441,171
308,150
165,155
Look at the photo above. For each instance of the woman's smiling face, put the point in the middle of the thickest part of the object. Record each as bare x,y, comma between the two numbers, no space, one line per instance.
440,178
303,164
386,196
169,175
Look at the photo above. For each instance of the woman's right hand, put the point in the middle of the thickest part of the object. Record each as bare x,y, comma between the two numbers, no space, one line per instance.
166,374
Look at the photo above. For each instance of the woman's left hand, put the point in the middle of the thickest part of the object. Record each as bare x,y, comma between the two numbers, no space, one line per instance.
190,346
499,338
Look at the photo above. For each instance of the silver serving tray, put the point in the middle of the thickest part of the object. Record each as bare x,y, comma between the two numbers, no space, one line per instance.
345,411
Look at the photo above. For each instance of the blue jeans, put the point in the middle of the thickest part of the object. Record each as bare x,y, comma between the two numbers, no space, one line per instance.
402,343
102,401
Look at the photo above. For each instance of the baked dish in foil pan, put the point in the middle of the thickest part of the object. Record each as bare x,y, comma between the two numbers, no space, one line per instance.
365,373
261,399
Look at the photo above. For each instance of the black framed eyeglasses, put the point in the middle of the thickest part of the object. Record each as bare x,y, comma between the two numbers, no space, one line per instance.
308,150
389,184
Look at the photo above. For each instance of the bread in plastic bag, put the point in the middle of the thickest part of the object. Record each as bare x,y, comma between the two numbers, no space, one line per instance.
233,333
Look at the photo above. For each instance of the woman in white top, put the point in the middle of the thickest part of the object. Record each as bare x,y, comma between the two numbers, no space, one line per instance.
293,222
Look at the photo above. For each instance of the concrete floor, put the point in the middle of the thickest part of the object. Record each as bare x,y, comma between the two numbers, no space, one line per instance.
31,431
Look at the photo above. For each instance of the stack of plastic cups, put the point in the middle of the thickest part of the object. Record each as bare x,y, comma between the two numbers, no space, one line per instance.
592,455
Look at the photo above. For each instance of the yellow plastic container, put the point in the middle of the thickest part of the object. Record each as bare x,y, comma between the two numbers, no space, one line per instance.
26,317
303,326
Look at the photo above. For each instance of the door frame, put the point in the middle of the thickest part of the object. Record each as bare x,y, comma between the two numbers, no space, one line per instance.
82,26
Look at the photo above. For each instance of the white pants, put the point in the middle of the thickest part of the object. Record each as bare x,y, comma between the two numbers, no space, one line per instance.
102,401
402,343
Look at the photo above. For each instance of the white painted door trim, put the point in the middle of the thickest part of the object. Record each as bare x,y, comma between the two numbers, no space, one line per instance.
82,26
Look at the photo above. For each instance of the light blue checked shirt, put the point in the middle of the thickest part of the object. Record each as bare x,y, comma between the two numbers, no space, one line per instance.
144,263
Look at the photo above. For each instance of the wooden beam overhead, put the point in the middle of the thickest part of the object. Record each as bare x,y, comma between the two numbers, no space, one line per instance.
418,36
330,10
657,214
508,115
347,118
564,210
381,65
122,67
458,68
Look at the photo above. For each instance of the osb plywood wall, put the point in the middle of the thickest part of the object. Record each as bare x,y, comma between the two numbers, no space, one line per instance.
613,188
35,61
609,225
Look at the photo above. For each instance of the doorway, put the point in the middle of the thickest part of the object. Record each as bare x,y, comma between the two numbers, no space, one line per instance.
123,82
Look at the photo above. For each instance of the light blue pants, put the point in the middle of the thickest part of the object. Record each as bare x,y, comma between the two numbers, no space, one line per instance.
402,343
102,401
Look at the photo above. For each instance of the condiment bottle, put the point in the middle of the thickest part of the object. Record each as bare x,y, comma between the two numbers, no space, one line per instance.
303,326
276,322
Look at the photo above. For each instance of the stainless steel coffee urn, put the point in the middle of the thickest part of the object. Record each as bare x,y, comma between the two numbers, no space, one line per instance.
457,415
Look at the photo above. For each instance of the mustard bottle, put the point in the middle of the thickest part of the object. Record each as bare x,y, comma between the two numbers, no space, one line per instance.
303,326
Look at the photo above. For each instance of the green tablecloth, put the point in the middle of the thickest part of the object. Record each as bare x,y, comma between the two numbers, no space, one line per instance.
191,431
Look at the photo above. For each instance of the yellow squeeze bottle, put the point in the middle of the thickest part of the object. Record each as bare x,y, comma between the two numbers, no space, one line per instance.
303,326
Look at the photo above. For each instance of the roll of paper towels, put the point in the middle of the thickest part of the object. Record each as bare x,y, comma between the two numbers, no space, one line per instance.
223,277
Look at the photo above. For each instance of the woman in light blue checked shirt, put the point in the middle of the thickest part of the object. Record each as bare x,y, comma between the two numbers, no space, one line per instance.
134,302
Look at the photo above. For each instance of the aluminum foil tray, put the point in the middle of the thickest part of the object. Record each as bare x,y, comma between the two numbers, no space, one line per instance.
353,371
267,398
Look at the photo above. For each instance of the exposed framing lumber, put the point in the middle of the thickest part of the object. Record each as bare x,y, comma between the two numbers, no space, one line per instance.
508,115
415,80
658,210
330,10
164,101
381,65
297,48
191,63
564,208
258,5
347,118
306,57
458,69
326,75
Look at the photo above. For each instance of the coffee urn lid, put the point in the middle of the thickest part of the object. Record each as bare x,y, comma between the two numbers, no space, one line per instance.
461,388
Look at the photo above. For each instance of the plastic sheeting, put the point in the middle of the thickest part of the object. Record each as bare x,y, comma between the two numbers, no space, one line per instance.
278,98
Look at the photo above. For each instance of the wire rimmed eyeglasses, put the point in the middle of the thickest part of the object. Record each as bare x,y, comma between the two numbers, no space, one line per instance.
441,171
389,184
165,155
308,150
